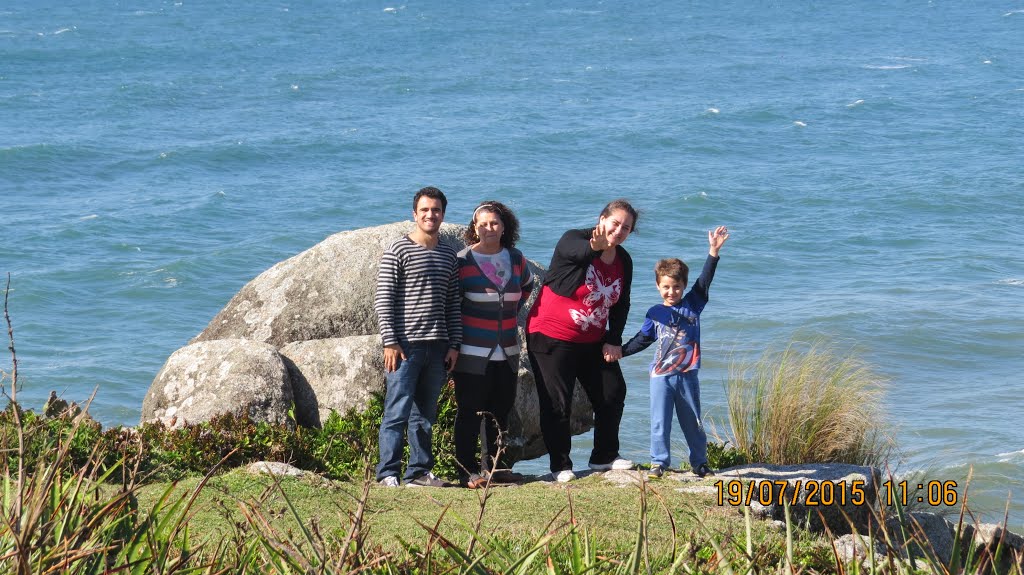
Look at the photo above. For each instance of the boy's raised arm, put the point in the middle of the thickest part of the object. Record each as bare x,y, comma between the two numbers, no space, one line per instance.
716,238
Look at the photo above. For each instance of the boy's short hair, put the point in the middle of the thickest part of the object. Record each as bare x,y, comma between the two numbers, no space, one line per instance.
673,268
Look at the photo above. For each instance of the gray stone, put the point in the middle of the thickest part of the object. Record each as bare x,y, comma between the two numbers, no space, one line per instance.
851,547
274,468
931,536
836,495
990,535
336,374
322,293
208,378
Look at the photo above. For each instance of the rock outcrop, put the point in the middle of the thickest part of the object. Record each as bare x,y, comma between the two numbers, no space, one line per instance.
307,329
836,495
324,292
207,378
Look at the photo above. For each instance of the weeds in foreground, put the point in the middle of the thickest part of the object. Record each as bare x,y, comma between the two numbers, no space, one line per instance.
808,405
60,516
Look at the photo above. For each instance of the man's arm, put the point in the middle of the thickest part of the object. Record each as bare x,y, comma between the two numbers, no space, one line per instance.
453,315
384,306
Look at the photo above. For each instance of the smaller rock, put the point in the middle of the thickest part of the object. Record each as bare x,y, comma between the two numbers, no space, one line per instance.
275,468
989,536
931,535
852,547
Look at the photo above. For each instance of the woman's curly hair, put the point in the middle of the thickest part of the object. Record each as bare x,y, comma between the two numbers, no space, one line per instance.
511,234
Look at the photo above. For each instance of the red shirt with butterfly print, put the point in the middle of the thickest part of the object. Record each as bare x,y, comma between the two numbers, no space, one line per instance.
582,318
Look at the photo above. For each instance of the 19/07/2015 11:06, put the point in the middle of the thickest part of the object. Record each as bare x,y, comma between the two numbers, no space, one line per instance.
933,493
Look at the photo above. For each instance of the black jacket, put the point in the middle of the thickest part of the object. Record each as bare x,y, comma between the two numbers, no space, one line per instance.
568,271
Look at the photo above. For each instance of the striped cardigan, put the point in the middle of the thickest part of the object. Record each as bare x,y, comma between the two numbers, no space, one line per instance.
489,314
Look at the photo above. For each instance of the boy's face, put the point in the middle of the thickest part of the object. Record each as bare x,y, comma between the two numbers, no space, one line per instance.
671,290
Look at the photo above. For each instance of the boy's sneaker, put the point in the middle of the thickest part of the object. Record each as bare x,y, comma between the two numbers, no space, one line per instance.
656,471
618,464
428,479
703,470
389,481
564,476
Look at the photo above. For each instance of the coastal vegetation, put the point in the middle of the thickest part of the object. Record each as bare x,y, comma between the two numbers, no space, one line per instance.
80,499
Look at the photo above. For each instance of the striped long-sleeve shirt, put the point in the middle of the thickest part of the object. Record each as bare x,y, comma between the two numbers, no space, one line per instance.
418,294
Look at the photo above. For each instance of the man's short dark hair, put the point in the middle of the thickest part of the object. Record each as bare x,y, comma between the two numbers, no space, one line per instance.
432,193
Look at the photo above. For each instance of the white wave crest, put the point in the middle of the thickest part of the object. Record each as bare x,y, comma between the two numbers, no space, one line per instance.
89,217
800,124
855,103
711,111
1010,456
1011,282
1012,12
886,66
63,30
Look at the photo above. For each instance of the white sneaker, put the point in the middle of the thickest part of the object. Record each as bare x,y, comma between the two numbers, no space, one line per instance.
565,476
619,464
389,481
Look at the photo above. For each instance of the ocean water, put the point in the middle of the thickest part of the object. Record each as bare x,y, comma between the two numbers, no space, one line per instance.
156,156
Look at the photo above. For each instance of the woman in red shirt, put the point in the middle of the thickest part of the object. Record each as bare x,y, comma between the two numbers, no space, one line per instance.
574,331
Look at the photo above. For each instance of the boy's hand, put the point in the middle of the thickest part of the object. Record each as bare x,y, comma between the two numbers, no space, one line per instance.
716,238
612,353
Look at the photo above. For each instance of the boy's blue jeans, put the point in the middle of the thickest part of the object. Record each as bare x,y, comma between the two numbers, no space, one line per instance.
411,403
679,391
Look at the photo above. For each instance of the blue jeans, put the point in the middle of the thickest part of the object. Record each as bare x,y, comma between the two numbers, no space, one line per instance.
680,391
411,403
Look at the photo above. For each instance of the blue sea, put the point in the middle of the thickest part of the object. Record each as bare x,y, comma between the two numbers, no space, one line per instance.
155,156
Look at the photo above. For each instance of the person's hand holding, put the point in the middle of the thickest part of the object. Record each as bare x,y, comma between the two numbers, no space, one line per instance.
392,354
612,353
716,238
450,359
598,239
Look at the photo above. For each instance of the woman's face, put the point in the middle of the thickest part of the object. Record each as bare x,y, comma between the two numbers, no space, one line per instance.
617,226
489,228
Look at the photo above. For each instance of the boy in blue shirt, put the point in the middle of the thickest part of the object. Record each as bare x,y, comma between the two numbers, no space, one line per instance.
675,325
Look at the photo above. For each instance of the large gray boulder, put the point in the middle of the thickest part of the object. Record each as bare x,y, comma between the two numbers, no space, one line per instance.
208,378
336,374
837,495
316,311
324,292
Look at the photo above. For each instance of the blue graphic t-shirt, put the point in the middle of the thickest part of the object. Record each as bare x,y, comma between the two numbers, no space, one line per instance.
676,329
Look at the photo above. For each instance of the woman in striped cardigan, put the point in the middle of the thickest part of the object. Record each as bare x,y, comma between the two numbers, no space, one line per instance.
495,282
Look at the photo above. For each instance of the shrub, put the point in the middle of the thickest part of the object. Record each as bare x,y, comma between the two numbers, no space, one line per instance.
811,405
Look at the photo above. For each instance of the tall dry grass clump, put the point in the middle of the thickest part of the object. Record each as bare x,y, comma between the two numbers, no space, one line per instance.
808,404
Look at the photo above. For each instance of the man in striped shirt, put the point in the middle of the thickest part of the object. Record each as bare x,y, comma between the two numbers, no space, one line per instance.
419,314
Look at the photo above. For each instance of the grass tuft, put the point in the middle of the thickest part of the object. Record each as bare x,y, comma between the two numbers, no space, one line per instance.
808,405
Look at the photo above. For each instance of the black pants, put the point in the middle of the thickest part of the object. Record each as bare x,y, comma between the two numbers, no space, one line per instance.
494,392
556,367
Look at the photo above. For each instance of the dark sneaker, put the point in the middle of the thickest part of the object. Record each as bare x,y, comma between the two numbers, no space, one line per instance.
506,476
703,470
474,481
656,472
426,480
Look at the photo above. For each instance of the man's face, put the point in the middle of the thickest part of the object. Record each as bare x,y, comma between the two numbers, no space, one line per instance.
428,215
